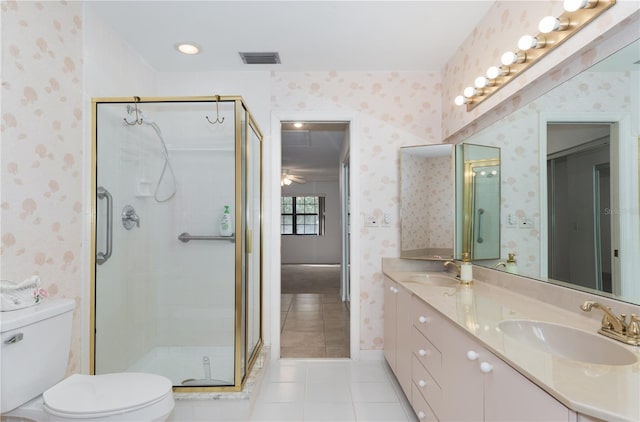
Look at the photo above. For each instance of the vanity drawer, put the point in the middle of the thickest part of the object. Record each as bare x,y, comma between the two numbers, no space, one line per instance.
420,406
427,354
427,321
426,385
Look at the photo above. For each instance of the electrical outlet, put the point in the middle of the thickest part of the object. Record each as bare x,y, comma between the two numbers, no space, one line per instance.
371,221
527,223
386,220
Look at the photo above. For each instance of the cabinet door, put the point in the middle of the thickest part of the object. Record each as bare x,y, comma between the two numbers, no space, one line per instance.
462,381
509,396
403,339
390,322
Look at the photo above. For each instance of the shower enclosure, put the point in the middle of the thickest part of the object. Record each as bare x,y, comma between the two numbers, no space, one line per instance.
170,294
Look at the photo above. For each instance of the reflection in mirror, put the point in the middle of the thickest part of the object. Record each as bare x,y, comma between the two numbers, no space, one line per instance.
570,189
426,202
478,198
579,208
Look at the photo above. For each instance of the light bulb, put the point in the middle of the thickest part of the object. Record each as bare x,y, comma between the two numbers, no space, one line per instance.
460,100
528,42
470,92
510,58
297,125
493,72
287,181
573,5
549,24
481,82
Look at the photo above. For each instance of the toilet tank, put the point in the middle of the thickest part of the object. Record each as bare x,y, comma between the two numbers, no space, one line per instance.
34,350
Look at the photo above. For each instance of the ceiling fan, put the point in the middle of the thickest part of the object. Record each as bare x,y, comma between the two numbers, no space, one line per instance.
287,179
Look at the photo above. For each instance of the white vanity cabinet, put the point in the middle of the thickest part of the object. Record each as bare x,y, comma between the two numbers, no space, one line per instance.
488,388
397,331
452,376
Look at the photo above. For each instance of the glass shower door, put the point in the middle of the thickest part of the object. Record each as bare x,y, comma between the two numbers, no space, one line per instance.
165,280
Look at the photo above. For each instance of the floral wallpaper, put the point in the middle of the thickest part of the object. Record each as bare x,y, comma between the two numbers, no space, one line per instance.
394,109
42,155
427,202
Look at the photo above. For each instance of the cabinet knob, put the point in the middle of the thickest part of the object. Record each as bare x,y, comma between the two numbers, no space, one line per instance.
422,319
486,367
422,383
421,415
393,289
472,355
423,352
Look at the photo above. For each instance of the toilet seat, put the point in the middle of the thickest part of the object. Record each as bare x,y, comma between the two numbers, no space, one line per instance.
95,396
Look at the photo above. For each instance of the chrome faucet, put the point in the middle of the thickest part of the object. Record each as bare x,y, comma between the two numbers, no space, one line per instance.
447,263
616,327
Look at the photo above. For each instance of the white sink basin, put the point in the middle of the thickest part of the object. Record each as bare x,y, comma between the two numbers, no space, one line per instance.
568,342
431,278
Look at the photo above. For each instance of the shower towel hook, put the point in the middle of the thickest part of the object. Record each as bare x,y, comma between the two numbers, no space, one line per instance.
138,120
218,120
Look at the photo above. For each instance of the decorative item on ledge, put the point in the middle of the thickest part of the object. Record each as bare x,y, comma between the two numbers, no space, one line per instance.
553,32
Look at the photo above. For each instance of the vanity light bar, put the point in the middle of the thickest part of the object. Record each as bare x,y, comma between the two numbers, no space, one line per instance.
553,32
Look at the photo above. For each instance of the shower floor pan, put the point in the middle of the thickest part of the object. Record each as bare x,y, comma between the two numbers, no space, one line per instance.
193,366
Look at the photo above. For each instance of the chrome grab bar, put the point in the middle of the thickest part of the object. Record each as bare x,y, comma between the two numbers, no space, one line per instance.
185,237
101,257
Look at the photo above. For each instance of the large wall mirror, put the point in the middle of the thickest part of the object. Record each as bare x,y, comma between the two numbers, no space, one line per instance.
427,202
570,196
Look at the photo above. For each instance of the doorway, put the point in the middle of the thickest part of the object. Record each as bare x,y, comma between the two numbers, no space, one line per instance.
314,317
579,167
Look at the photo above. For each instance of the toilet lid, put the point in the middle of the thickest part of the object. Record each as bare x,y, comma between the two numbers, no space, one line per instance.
102,395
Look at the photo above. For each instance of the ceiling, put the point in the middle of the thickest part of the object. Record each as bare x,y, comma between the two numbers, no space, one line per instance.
309,35
313,151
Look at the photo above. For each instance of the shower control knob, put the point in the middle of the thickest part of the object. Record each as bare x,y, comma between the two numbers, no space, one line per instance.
130,218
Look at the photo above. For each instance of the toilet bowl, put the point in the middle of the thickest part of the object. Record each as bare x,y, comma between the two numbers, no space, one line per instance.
38,392
124,397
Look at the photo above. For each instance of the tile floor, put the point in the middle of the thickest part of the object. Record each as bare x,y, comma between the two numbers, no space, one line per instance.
330,390
314,325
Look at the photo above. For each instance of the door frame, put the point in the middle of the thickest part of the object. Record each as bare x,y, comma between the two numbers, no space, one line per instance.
623,148
272,255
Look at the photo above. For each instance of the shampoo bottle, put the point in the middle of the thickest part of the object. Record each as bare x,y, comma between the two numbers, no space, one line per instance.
226,223
466,269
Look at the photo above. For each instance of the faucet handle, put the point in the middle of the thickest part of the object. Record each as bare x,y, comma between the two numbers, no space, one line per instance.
607,319
633,329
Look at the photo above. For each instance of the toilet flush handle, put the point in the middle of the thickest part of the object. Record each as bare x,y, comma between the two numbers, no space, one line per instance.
14,339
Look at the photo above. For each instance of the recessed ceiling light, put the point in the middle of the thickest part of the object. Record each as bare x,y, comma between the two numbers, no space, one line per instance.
186,48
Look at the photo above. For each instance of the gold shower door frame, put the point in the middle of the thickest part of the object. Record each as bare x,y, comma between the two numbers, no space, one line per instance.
243,240
468,200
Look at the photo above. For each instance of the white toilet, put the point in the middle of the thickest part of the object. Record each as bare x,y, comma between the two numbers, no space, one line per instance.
34,352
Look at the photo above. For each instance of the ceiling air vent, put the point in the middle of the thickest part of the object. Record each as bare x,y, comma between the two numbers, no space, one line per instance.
260,58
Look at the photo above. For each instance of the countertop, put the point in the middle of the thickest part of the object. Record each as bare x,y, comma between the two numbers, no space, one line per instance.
608,392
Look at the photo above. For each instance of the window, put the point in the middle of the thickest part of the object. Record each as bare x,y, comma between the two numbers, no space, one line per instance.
302,215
